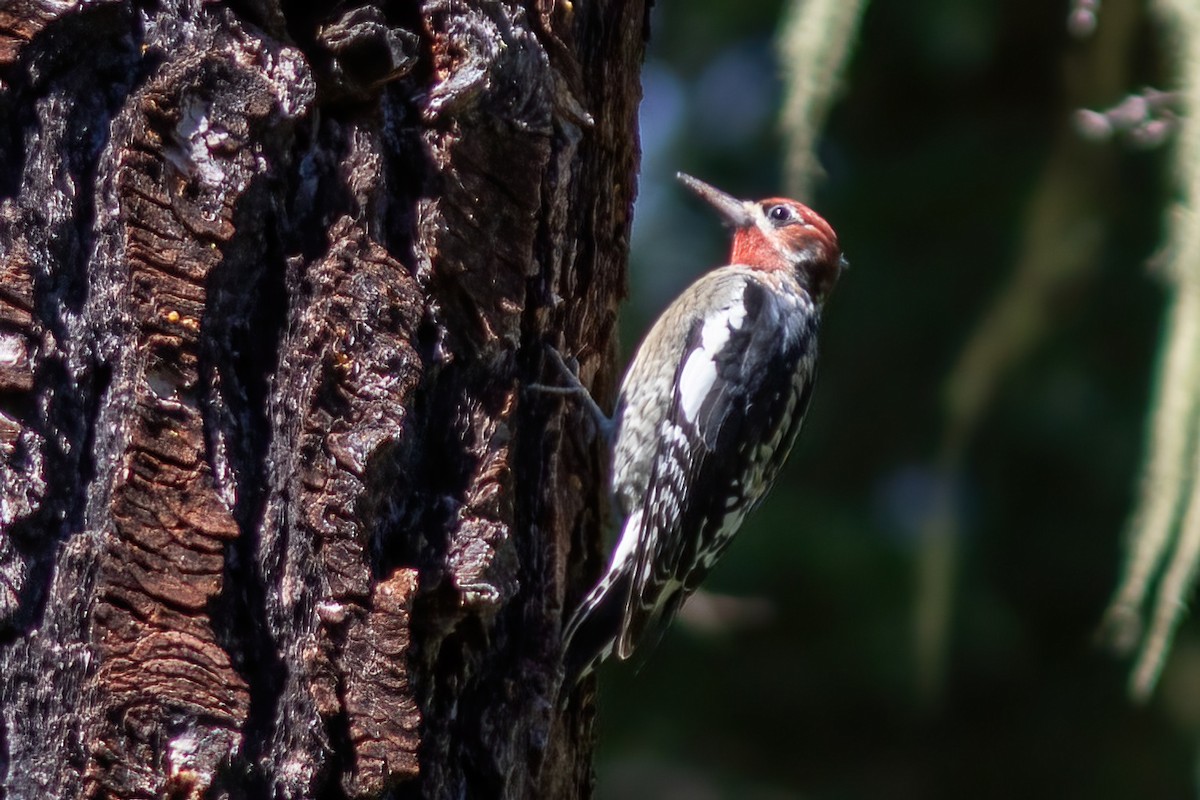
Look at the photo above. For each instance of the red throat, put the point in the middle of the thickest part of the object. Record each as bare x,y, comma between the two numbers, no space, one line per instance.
777,249
752,248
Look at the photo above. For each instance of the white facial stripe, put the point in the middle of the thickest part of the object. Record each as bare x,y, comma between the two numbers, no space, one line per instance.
771,235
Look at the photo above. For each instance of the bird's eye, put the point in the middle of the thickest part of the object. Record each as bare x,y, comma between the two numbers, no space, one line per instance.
780,214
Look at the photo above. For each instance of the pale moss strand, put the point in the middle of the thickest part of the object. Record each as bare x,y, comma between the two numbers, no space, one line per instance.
815,46
1173,592
1165,476
1172,461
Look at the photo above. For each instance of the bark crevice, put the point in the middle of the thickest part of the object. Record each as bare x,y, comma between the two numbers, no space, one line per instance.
276,516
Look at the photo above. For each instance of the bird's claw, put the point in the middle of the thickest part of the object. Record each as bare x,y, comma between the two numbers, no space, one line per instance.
569,370
570,373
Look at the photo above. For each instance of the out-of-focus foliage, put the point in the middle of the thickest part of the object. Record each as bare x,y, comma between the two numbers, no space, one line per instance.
816,42
986,373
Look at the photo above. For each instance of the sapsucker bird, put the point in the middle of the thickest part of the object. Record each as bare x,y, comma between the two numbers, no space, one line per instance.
706,415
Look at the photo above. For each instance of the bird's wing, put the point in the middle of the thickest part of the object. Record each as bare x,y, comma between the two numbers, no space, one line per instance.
744,369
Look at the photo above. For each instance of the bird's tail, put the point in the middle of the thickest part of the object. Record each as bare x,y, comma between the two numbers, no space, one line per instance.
593,630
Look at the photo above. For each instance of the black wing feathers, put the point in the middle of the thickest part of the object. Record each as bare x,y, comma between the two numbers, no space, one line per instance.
700,465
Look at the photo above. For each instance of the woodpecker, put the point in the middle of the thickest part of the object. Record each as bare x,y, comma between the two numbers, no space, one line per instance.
707,412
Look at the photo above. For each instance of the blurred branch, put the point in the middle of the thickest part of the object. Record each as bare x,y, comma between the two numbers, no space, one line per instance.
815,47
1060,245
1170,490
1061,242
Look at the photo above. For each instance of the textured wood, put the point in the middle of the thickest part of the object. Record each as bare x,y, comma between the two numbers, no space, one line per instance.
276,517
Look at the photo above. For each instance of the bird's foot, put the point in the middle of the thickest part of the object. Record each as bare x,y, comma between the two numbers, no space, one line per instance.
604,424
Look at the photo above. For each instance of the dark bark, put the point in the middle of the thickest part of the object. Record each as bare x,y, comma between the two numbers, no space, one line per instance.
276,516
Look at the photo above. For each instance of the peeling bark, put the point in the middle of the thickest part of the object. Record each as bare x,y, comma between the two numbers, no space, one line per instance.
276,517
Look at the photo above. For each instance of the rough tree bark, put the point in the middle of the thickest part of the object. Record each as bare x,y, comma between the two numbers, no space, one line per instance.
276,518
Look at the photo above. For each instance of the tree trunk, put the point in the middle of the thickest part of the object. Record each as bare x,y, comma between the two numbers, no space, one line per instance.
277,518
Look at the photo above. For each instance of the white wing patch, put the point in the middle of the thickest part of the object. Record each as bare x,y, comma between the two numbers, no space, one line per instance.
696,381
627,544
699,372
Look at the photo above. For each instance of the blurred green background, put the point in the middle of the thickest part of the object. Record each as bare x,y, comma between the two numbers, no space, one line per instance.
950,142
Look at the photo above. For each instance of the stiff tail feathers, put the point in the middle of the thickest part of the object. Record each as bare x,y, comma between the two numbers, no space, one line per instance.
593,630
601,626
615,616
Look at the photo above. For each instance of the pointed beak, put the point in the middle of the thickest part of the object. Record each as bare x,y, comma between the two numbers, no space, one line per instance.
734,211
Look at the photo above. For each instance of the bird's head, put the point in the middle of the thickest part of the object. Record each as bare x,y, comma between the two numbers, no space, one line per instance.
778,234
